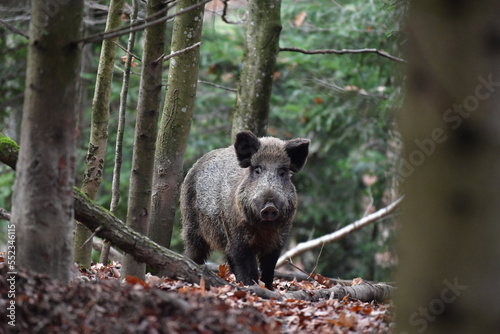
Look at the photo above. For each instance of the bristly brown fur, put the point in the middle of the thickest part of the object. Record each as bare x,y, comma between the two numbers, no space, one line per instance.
241,200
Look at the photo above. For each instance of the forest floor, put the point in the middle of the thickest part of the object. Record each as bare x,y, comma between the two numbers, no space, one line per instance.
96,301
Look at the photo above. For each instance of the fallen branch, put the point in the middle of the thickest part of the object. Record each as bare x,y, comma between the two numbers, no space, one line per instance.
141,247
311,244
365,292
345,51
298,276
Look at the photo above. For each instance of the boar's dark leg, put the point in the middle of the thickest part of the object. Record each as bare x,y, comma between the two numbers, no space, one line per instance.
243,264
197,248
267,265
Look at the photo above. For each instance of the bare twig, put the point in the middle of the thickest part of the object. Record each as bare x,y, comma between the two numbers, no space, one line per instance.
311,244
13,29
349,89
345,51
97,230
4,214
369,206
317,260
176,53
128,52
139,26
224,13
337,4
234,90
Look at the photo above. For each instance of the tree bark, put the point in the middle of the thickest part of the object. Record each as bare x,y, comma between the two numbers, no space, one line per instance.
448,247
43,212
99,130
255,84
115,185
175,122
146,129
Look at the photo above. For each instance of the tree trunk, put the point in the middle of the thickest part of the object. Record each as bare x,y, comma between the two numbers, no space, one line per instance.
99,130
146,128
448,248
43,192
175,122
115,185
261,49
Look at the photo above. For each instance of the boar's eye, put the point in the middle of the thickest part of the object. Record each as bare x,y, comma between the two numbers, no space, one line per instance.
257,170
282,172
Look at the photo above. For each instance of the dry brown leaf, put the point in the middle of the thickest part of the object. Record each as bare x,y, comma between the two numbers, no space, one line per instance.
299,19
356,281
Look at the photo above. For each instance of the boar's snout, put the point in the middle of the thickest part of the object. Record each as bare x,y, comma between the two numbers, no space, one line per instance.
269,213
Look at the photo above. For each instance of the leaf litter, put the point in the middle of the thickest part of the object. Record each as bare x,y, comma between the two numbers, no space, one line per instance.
97,301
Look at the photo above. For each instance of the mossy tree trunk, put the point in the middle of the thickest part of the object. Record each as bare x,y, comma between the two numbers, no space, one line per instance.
263,25
115,186
146,129
99,130
448,248
176,122
43,212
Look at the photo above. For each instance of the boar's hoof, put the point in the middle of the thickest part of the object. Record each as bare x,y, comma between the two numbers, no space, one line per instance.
269,213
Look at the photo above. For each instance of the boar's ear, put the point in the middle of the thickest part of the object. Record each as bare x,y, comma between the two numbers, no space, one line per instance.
297,150
246,145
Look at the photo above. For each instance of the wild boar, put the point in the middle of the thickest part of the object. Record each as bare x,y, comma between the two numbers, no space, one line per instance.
241,200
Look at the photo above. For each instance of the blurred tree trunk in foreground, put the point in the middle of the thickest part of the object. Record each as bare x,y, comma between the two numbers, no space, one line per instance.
449,248
43,213
263,25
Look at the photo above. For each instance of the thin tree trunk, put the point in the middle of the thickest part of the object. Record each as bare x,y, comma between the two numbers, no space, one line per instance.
43,211
255,84
115,186
175,122
83,100
99,130
146,129
448,247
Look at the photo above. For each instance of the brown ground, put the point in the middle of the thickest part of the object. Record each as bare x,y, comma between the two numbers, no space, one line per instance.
100,303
